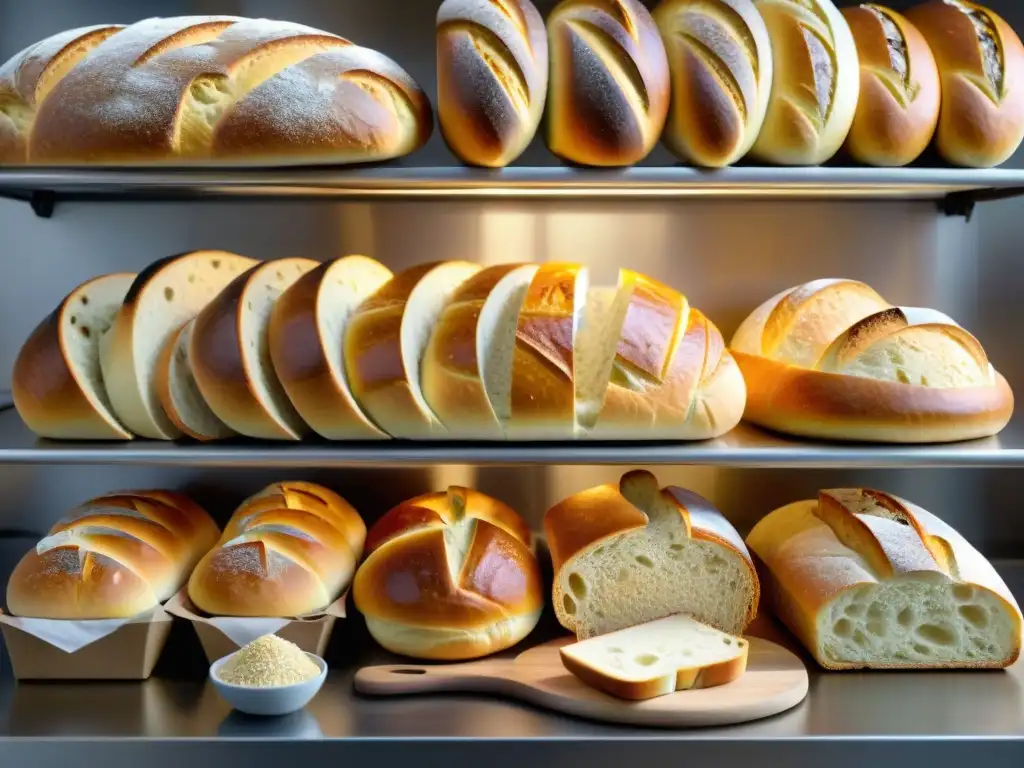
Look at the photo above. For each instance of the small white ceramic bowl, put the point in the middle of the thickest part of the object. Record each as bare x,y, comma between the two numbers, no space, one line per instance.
282,700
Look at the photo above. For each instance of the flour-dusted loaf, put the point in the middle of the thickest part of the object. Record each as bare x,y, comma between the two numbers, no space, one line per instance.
832,359
57,383
164,296
115,556
657,658
449,575
630,552
866,579
207,89
289,550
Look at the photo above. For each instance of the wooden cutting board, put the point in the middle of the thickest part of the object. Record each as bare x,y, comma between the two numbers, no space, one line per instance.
775,681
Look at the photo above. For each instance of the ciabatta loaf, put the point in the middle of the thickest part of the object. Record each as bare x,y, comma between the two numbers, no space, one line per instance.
161,299
57,383
632,552
866,579
657,658
833,359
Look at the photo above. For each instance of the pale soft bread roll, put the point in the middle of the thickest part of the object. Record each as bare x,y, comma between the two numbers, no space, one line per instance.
385,342
866,579
179,394
657,658
492,78
898,109
720,59
816,82
981,65
632,552
163,297
449,575
608,95
230,353
307,339
290,550
832,359
57,383
116,556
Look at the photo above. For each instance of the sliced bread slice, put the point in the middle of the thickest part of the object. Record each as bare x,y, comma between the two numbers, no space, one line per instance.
672,654
163,297
57,383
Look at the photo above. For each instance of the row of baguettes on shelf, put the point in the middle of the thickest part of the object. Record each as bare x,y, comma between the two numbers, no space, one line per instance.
862,578
212,345
787,81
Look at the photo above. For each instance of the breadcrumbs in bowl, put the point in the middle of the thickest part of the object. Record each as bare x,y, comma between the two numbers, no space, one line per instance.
269,676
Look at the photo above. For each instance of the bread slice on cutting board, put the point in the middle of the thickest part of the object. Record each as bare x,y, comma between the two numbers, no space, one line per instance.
57,383
163,297
660,657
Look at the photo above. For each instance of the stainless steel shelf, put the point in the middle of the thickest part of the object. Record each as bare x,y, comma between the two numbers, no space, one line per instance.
743,447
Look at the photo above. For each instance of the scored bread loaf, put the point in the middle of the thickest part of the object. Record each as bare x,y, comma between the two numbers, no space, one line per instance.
115,556
832,359
816,82
164,296
449,575
290,550
866,579
492,78
981,65
630,552
609,90
57,384
307,339
720,59
207,88
898,109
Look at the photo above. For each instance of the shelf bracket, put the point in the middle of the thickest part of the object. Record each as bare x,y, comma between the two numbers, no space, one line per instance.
958,204
43,201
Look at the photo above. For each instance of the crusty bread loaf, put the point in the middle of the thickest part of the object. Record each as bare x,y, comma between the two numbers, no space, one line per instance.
492,78
289,550
307,339
207,89
57,384
165,295
632,552
115,556
816,82
609,91
898,109
657,658
230,353
866,579
981,65
832,359
449,575
720,58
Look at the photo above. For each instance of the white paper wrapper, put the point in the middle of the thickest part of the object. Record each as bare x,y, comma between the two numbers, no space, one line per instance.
243,631
70,636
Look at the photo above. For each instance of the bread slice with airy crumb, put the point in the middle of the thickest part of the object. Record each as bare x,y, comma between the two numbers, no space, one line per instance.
676,653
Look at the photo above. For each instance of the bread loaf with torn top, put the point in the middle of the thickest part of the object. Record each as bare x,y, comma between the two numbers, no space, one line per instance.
866,579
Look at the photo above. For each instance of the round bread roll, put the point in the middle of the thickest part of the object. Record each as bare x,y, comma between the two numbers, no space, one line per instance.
981,65
720,57
609,92
898,110
492,78
449,575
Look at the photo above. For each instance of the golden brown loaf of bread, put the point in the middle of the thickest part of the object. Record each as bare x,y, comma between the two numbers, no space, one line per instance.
866,579
207,89
981,65
289,550
720,57
492,77
898,110
449,575
609,91
833,359
115,556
